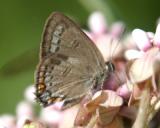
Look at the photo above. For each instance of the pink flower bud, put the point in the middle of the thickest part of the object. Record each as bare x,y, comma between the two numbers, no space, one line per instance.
29,94
117,29
150,36
124,91
51,115
7,121
97,23
24,109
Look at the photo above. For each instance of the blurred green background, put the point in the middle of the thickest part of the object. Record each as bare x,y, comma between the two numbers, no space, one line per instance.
21,25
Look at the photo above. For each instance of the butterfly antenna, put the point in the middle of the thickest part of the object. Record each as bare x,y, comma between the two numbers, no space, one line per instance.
116,43
126,78
118,78
109,51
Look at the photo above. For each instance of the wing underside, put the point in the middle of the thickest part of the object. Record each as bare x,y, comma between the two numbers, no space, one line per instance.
69,61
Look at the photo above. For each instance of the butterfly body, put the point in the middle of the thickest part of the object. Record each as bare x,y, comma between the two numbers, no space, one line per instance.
70,64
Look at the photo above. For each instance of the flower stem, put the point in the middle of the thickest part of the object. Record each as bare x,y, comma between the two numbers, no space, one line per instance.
142,116
92,122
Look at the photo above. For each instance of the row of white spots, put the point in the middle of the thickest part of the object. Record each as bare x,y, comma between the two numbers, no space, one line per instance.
56,38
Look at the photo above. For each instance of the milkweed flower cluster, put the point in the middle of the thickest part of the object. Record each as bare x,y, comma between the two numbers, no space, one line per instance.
26,116
133,88
106,38
130,93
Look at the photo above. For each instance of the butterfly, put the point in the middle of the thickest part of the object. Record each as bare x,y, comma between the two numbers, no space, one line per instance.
70,65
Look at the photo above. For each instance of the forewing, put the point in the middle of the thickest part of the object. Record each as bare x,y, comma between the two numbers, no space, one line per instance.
61,35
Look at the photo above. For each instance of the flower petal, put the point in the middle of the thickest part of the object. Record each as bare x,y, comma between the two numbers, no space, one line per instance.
133,54
82,117
107,103
98,98
157,106
141,39
106,115
157,36
109,47
144,67
150,36
113,100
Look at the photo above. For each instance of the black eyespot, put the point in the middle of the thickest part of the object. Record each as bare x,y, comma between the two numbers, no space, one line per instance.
111,67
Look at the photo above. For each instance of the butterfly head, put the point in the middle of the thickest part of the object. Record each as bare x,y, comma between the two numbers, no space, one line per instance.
110,66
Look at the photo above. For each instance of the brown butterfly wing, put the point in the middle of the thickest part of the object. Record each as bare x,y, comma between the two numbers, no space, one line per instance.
70,64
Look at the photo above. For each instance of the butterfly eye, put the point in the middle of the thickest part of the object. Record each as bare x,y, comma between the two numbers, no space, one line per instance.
110,66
